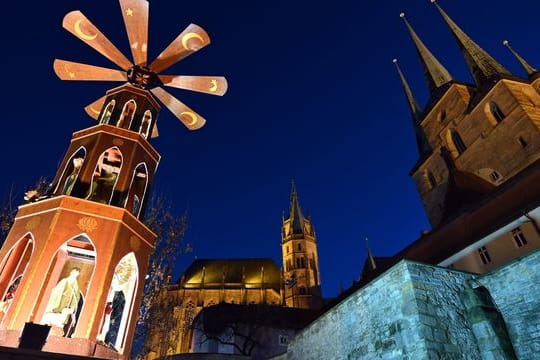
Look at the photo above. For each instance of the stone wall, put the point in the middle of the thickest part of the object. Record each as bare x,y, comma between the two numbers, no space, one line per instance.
515,289
417,311
412,311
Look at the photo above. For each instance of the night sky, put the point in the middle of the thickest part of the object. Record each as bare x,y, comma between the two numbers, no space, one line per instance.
313,96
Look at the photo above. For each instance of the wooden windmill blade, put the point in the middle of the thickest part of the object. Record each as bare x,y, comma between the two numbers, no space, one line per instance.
76,23
192,39
213,85
187,116
135,13
69,70
155,132
93,110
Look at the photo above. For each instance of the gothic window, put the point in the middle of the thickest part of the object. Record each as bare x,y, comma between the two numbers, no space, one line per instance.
145,124
455,143
519,238
496,111
105,176
12,270
442,116
299,247
302,290
71,171
119,302
106,116
127,114
288,249
61,300
430,179
137,189
484,255
298,263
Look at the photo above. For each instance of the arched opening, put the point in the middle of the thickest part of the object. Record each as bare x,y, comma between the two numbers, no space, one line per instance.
120,300
455,143
496,111
70,174
105,176
12,270
430,179
145,124
106,116
137,189
67,280
127,114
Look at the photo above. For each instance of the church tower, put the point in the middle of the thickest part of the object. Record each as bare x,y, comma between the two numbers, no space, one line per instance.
472,137
302,282
75,259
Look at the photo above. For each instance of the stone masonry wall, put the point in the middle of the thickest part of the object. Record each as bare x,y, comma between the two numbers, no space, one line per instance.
515,289
412,311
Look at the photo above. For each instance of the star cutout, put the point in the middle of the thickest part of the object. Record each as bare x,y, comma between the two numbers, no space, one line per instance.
129,12
72,75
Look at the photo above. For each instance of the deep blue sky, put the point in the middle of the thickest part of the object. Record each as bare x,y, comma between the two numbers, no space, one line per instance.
313,96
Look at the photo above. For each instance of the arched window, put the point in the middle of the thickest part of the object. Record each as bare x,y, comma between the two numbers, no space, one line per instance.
442,115
127,114
455,143
299,247
302,290
145,124
430,178
71,171
106,116
119,306
496,111
105,176
61,300
137,189
12,270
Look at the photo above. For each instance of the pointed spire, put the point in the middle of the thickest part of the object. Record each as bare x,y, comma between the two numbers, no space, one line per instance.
481,65
295,214
528,68
421,141
436,75
372,263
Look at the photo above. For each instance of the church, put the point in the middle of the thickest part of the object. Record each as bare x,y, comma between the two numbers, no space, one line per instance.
469,287
249,282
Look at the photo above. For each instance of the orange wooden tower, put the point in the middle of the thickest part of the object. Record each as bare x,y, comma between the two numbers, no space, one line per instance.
76,257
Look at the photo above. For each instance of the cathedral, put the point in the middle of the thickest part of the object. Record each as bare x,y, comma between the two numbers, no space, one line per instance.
469,287
208,282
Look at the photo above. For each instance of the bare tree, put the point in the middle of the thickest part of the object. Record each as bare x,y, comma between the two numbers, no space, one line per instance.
244,337
9,207
156,311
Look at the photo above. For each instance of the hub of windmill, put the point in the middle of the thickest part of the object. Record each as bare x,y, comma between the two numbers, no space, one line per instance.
143,77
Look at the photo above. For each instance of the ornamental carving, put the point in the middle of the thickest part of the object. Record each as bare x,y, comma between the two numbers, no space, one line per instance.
33,223
87,224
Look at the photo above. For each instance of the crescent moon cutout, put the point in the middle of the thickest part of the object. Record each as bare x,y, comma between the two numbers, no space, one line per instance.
189,36
94,111
191,115
80,33
214,86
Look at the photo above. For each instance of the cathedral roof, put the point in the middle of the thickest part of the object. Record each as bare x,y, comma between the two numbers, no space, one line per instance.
232,273
482,66
435,73
421,140
295,214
